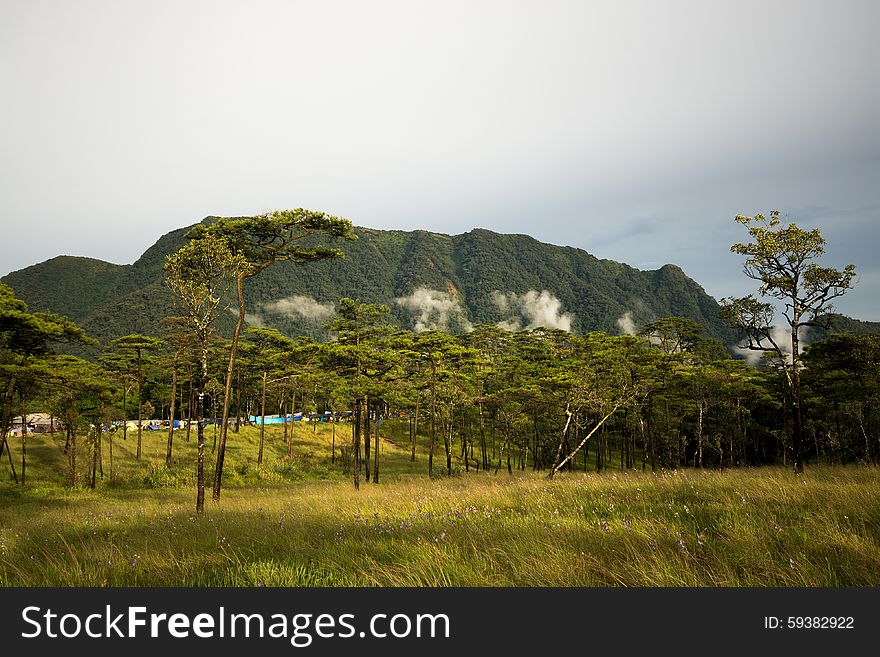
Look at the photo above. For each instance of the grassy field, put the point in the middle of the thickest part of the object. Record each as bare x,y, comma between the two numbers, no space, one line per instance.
301,523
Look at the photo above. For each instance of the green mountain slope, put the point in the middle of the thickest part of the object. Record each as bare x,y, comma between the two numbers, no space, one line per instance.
476,277
68,285
843,324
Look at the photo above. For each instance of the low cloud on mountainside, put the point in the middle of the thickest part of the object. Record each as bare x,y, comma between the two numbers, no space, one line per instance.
782,337
434,310
294,306
626,324
251,319
531,310
302,306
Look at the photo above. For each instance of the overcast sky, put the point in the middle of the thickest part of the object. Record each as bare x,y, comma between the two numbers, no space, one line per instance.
633,130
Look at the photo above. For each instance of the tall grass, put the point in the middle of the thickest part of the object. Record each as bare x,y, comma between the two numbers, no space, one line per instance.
307,526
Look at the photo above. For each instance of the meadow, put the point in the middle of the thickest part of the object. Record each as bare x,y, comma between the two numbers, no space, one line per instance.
300,522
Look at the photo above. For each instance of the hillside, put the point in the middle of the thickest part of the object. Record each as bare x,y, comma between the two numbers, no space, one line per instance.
843,324
426,279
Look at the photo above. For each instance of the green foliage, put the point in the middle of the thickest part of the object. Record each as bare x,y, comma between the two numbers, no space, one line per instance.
200,274
380,267
360,351
675,334
781,258
279,236
137,344
8,300
35,334
842,383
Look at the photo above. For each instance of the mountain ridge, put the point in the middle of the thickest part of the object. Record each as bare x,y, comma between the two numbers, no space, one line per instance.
469,277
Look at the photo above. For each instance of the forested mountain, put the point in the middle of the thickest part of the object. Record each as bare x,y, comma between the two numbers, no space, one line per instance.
426,279
843,324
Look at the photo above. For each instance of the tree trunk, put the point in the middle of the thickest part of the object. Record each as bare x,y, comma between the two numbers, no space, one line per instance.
262,421
7,412
283,412
447,439
189,404
599,424
464,441
227,393
292,425
124,411
796,417
23,445
367,436
580,431
200,462
110,445
140,410
484,450
238,401
699,432
356,443
96,450
376,452
433,420
200,430
563,438
101,452
9,456
536,465
415,429
72,436
171,412
214,422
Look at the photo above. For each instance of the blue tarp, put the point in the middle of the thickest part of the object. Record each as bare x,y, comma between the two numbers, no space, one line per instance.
275,419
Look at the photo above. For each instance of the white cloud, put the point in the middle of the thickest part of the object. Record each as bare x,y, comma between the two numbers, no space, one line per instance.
626,324
253,319
300,305
782,337
434,310
531,310
500,301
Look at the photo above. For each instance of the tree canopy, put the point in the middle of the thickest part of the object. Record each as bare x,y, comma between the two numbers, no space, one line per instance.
782,259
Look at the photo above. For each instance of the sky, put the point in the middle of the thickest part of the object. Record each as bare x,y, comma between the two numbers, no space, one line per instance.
634,130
